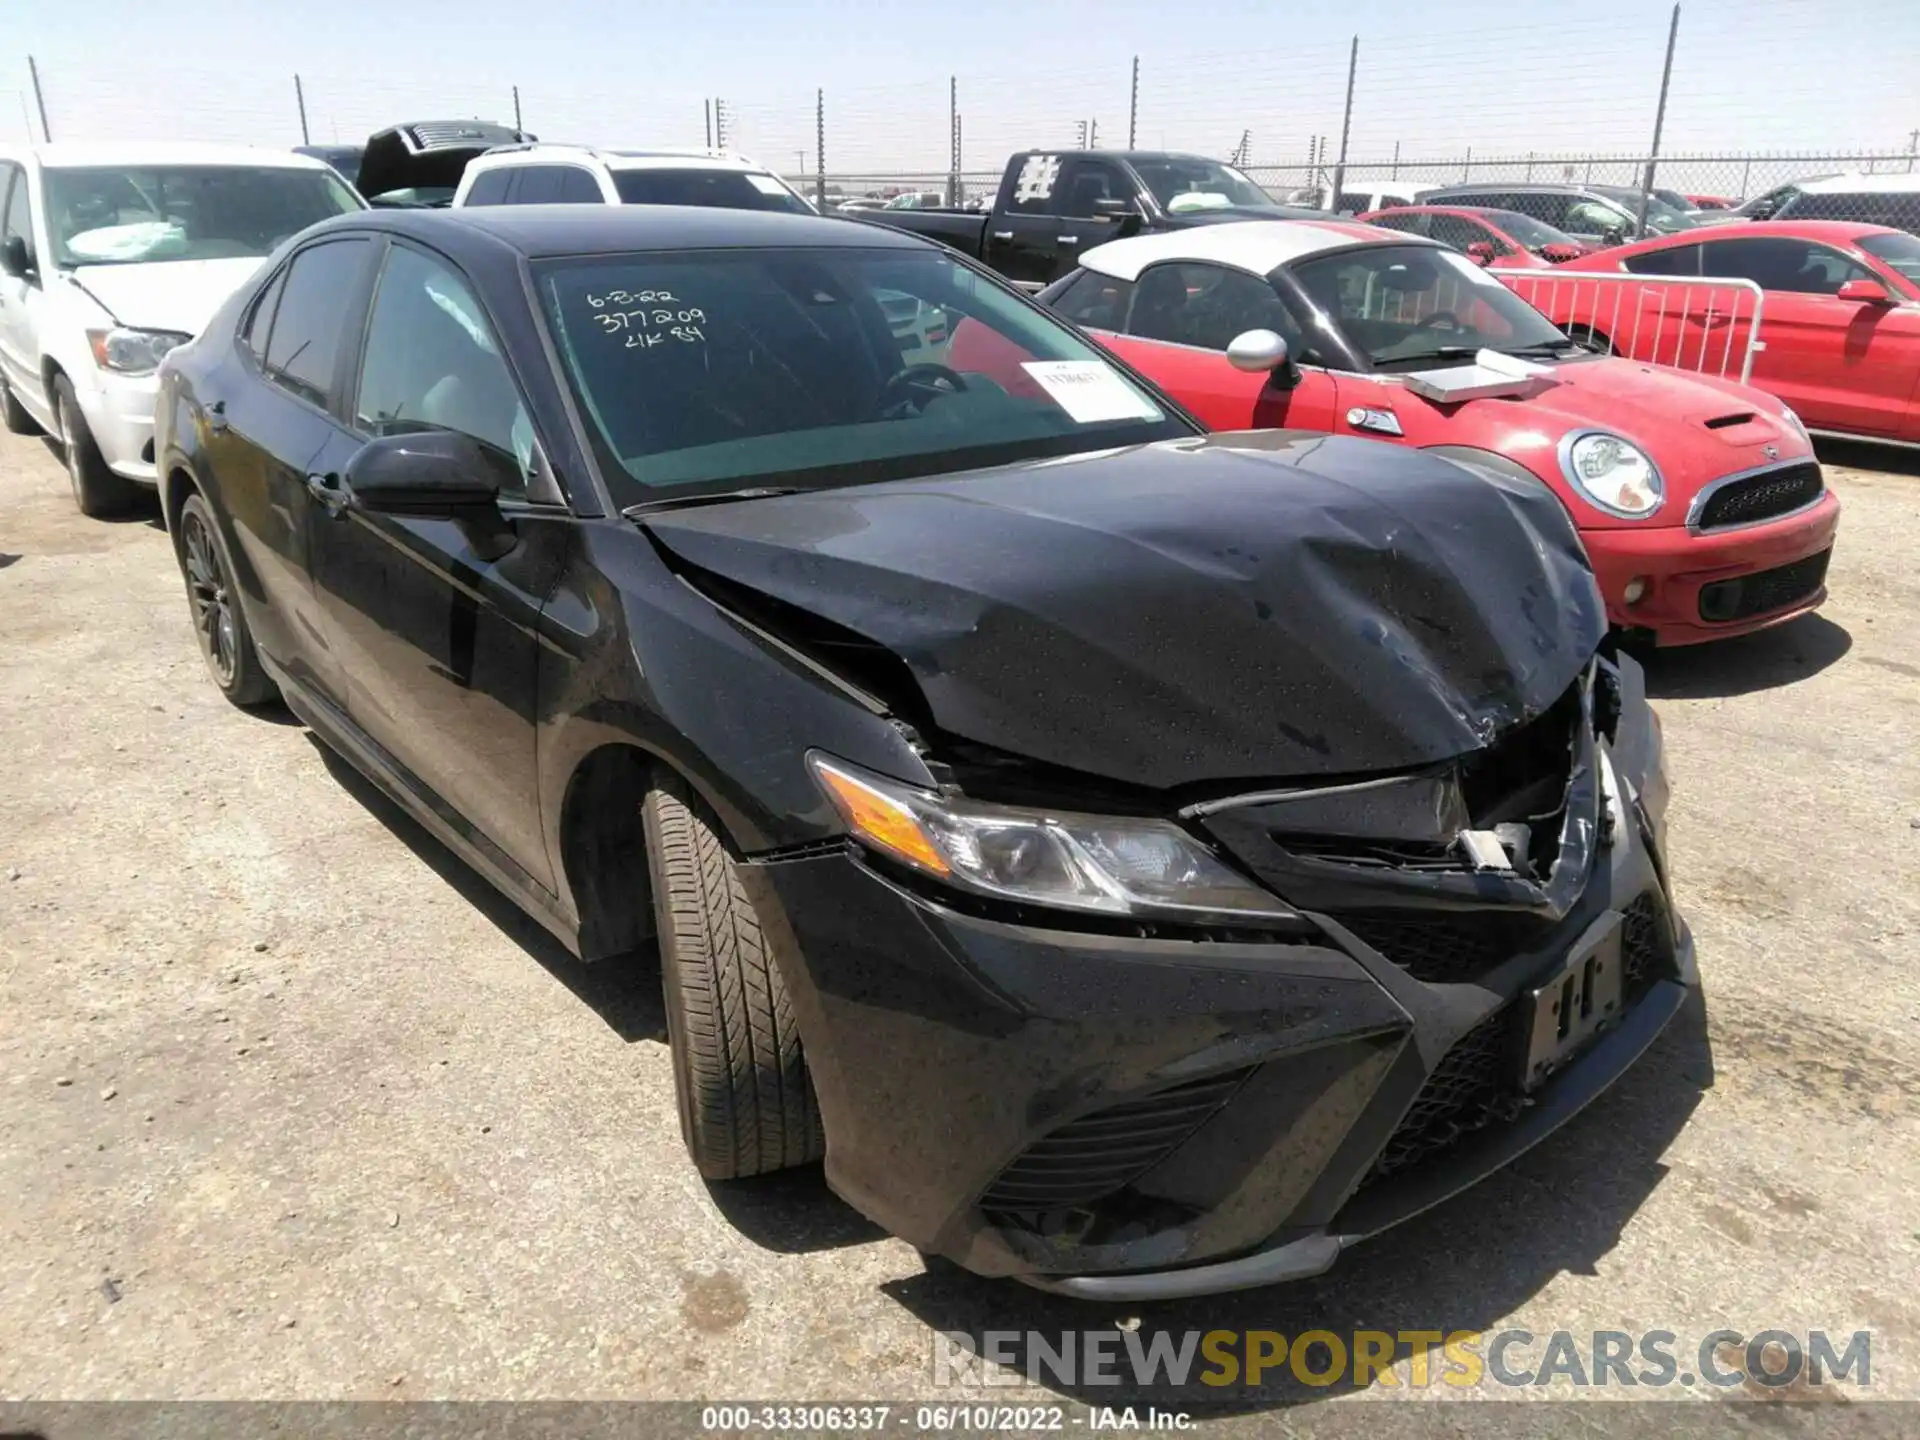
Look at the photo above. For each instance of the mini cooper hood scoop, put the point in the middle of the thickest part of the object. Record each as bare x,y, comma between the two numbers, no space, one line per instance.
1235,607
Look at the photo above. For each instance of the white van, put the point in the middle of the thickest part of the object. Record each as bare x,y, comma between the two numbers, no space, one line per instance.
111,255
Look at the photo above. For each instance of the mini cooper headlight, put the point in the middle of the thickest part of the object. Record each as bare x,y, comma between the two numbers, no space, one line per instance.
1113,865
1612,472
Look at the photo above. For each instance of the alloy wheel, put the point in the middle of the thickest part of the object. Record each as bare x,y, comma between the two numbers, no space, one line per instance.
207,590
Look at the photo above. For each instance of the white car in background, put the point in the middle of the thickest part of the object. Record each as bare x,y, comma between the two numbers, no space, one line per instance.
549,174
110,256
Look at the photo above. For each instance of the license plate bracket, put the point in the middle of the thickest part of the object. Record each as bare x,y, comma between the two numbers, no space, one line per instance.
1573,1005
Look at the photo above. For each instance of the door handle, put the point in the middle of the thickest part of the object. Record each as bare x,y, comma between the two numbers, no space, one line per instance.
1003,234
1066,240
216,414
329,492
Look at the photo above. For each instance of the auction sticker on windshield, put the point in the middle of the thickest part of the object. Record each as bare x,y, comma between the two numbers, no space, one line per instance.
1090,391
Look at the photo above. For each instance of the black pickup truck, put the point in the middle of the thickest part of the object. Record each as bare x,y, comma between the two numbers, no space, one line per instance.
1054,204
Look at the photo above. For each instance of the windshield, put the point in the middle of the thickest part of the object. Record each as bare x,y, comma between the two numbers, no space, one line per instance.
723,189
1532,233
1899,253
1403,306
710,371
1198,184
124,215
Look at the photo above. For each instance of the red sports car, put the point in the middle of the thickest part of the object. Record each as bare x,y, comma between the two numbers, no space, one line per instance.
1498,239
1711,202
1840,316
1703,509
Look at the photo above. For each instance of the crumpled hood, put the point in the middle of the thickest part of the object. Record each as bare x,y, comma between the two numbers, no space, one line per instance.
176,295
1248,606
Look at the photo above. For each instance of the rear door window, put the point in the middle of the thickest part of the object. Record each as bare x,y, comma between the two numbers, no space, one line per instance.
1411,222
1679,260
1095,300
323,282
1034,184
492,187
260,321
539,184
578,187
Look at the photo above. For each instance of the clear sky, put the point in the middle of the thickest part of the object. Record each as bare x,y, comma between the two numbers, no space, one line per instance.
1435,76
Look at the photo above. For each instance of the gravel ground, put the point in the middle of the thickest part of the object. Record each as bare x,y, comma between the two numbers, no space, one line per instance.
294,1106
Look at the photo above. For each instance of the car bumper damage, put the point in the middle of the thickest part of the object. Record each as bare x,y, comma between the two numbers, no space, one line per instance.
1472,934
1149,1112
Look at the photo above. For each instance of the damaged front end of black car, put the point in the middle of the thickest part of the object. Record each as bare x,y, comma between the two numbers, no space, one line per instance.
1275,847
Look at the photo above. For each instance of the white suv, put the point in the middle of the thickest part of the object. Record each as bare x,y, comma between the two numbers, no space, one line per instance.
110,256
574,174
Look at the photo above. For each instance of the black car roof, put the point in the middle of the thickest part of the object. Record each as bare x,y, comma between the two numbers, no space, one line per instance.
536,231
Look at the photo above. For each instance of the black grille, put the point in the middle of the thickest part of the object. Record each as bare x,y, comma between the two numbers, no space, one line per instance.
1761,497
1442,947
1471,1087
1098,1154
1768,590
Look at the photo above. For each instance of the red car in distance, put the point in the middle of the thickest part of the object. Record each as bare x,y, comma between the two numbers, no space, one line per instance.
1498,239
1701,505
1839,320
1710,202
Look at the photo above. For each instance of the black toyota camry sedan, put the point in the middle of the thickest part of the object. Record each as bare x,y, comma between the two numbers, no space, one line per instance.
1138,861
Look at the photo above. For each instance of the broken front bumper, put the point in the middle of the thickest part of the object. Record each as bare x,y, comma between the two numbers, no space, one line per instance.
1131,1116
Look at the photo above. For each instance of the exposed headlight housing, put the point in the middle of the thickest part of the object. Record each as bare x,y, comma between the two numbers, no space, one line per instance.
1108,865
133,352
1788,414
1613,473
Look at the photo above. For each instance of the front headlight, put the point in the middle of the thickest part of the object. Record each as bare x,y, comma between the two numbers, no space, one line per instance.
1110,865
1788,414
1613,473
133,352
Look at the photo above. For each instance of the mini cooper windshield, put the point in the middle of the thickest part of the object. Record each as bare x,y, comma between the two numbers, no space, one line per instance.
1404,306
708,372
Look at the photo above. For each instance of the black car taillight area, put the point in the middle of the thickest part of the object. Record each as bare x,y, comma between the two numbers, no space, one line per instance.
1762,497
1098,1155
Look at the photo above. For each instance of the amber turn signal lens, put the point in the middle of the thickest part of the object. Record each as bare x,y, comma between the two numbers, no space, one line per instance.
880,820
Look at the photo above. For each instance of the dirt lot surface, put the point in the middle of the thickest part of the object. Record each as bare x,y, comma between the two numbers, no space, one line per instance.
294,1106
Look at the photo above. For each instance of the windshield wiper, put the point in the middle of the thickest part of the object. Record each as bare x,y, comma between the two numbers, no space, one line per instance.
710,497
1545,347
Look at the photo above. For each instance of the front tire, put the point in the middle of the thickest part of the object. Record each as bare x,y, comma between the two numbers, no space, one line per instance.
746,1101
220,625
96,489
13,414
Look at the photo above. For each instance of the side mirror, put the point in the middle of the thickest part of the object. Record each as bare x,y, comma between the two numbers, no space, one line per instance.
1480,252
1613,235
1260,351
1112,207
14,259
1559,252
1866,292
432,472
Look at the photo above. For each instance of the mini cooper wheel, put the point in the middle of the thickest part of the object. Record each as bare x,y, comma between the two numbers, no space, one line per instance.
96,489
746,1100
218,621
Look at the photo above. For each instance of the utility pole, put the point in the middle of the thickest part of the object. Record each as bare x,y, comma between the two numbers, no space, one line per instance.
1913,148
1395,175
707,107
1080,131
1093,134
300,99
820,149
1133,105
1659,120
719,123
40,100
518,128
1346,127
953,140
803,160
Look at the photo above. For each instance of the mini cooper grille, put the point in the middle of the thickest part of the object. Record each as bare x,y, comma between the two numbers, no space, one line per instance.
1443,948
1090,1158
1768,590
1761,497
1471,1087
